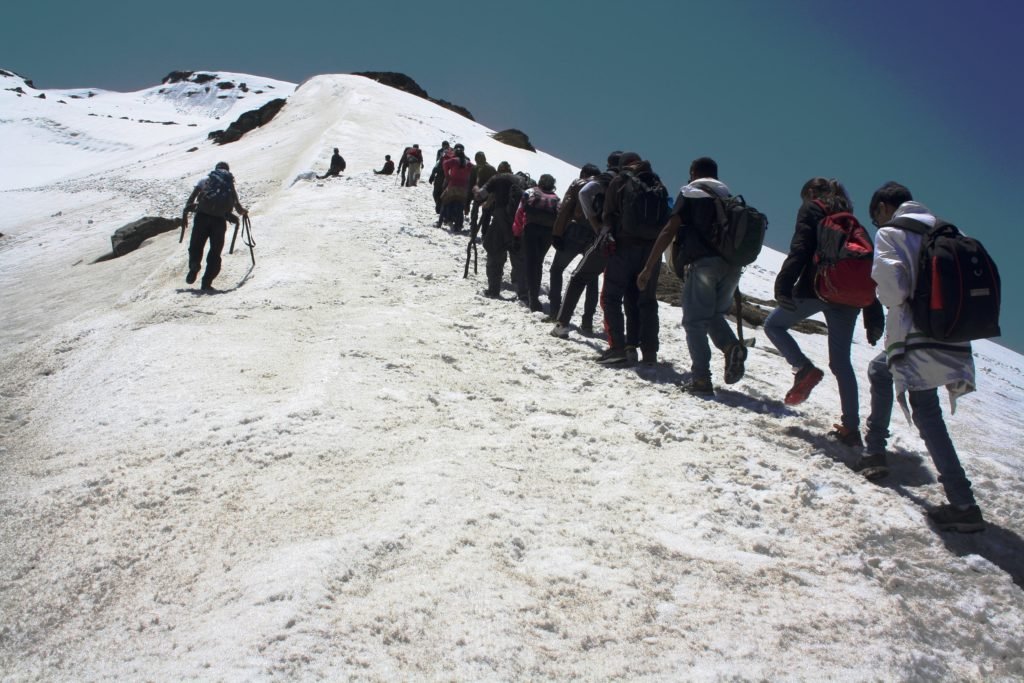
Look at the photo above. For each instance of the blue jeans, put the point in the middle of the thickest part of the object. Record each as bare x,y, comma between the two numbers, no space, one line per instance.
841,321
707,294
928,419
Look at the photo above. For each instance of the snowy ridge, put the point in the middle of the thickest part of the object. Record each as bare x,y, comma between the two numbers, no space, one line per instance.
350,465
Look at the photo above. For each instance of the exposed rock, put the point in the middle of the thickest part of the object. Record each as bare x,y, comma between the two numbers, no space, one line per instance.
402,82
192,76
754,310
127,239
515,138
247,121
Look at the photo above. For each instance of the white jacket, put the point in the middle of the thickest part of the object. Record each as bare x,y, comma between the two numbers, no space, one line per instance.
917,362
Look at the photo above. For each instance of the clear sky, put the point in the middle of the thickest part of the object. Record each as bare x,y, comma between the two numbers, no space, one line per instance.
925,92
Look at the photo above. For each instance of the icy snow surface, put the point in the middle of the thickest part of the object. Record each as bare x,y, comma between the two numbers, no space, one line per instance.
349,464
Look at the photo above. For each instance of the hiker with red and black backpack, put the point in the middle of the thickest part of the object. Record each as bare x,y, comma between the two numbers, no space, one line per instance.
709,278
919,358
212,200
534,218
826,232
458,170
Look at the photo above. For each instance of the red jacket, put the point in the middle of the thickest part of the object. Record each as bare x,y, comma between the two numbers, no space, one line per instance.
457,176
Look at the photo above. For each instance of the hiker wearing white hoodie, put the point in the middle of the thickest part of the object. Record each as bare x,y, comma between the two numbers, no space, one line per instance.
913,365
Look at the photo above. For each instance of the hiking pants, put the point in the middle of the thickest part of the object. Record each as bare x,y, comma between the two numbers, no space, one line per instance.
496,242
576,243
927,414
584,277
536,242
452,212
707,294
212,228
640,327
413,175
841,321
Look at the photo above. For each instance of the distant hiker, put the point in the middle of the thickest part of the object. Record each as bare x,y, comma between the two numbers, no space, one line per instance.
498,193
337,165
914,362
571,235
532,224
410,165
797,298
455,197
389,166
710,281
444,151
482,172
437,180
212,199
591,201
635,211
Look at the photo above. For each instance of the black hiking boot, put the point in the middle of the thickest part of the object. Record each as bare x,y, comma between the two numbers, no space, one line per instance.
965,520
612,357
872,466
699,386
735,355
190,278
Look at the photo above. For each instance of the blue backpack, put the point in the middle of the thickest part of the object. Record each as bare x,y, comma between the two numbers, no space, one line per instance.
217,197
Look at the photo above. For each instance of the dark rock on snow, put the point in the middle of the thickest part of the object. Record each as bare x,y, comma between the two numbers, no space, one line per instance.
515,138
402,82
127,239
247,121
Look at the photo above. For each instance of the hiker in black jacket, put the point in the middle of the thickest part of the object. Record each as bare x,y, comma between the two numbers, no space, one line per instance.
498,240
337,165
389,166
209,226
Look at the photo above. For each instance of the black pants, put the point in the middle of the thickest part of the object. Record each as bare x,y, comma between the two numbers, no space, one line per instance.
212,228
586,274
536,242
640,327
577,238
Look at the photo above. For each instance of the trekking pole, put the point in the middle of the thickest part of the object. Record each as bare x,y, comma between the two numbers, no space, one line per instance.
184,225
470,250
738,298
247,237
234,235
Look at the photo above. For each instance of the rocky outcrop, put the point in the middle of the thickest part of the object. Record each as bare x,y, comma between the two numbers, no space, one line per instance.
248,121
402,82
127,239
515,138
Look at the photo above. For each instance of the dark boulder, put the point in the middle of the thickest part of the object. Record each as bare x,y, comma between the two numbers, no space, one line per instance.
127,239
515,138
247,121
402,82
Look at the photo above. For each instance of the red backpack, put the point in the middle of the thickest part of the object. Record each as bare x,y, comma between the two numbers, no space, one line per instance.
843,261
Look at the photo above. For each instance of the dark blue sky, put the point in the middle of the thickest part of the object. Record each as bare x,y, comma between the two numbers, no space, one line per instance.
924,92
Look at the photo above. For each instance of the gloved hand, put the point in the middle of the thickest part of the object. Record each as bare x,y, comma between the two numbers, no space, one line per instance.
558,242
786,302
874,334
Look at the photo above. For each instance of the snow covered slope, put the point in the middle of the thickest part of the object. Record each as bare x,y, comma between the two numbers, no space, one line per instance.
351,465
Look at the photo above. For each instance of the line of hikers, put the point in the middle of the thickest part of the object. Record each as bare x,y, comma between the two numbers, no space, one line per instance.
621,221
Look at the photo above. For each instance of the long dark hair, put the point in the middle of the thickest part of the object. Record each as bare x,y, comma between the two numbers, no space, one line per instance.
829,192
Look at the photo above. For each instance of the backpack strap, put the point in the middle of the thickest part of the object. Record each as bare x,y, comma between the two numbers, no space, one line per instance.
911,225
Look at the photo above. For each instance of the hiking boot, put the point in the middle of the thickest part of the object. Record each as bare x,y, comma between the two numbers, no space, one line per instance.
735,355
207,286
490,295
191,276
650,358
965,520
699,386
804,381
847,437
587,326
612,357
872,466
561,331
631,355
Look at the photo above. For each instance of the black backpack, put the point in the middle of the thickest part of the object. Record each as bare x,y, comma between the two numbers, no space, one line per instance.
737,231
217,197
522,183
958,291
644,205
